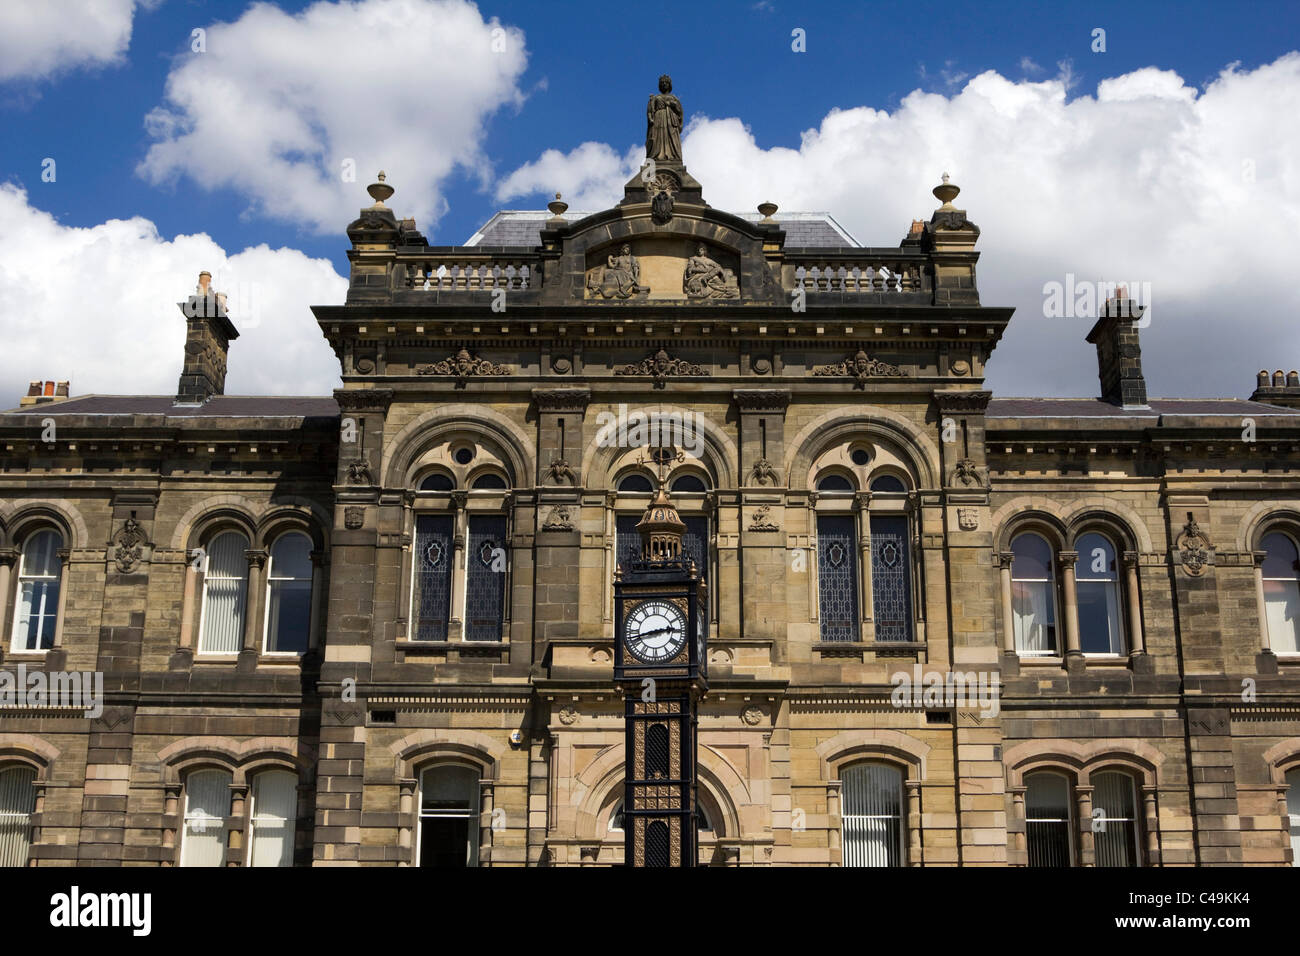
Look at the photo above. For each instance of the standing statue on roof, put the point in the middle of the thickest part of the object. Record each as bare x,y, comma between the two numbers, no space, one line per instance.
663,134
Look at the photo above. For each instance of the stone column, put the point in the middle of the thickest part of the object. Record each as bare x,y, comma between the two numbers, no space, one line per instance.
236,851
1018,819
171,821
1136,644
1073,654
912,790
834,826
65,559
406,816
459,543
1008,611
254,601
1284,815
1087,844
485,821
318,561
867,615
1261,605
8,557
1151,825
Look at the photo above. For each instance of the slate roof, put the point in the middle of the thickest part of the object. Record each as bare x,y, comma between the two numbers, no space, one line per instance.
523,227
219,406
1016,408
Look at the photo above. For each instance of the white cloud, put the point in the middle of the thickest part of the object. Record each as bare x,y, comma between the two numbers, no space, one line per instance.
97,306
43,37
586,176
1150,180
279,104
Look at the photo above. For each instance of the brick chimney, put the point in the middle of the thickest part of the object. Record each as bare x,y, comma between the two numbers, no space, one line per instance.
1119,353
208,334
42,393
1281,390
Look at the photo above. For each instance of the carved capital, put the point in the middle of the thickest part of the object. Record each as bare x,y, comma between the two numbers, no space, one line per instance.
364,399
761,399
1129,559
562,399
1006,558
256,558
8,556
1067,559
961,399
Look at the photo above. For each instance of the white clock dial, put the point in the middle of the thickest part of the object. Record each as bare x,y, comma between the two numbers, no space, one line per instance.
656,631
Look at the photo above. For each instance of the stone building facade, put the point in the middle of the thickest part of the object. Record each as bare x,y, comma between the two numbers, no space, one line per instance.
377,628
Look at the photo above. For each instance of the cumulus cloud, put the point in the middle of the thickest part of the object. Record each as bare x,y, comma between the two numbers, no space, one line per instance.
586,176
97,306
285,109
45,37
1149,180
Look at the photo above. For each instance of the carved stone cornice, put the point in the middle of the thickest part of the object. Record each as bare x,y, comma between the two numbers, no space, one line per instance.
861,367
462,365
761,399
661,366
364,399
562,399
962,399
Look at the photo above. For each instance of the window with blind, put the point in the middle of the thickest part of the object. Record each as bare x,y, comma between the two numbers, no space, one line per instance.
39,577
871,800
207,804
288,595
1033,597
1047,820
273,819
1096,578
1282,592
17,804
1114,819
225,594
449,804
1293,812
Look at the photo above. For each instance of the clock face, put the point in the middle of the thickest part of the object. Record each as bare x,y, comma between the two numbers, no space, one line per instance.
656,631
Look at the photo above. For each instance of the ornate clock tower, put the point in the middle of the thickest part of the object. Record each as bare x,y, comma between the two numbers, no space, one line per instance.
660,668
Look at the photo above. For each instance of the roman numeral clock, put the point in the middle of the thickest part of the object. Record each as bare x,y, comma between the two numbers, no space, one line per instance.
660,668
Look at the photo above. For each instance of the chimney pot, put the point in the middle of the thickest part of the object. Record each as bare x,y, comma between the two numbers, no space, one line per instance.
1292,379
1279,379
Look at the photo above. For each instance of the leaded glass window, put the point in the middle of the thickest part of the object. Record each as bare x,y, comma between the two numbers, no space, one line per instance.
891,578
485,579
431,594
695,541
837,577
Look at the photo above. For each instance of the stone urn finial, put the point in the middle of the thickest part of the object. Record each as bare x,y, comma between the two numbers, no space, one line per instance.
379,191
946,192
767,210
557,207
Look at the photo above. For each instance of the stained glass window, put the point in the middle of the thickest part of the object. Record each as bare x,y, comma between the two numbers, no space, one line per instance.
432,590
837,577
891,578
485,586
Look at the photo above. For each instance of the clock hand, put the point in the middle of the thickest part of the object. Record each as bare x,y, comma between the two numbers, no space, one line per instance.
662,630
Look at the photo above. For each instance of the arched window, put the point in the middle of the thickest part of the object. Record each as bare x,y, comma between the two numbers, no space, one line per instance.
1033,596
1097,586
837,577
273,818
1048,835
225,594
834,483
449,816
688,484
17,804
1292,810
431,584
207,805
887,484
635,483
617,819
872,815
1114,815
1282,592
488,481
485,577
288,595
437,481
39,575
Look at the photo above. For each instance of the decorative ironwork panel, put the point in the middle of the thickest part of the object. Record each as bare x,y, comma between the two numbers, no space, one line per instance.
695,542
433,557
627,542
891,579
656,751
485,579
837,577
656,844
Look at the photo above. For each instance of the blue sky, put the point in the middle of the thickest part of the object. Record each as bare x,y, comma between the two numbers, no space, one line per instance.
580,74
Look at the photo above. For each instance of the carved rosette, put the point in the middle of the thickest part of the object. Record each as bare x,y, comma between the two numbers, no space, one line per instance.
860,367
661,366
